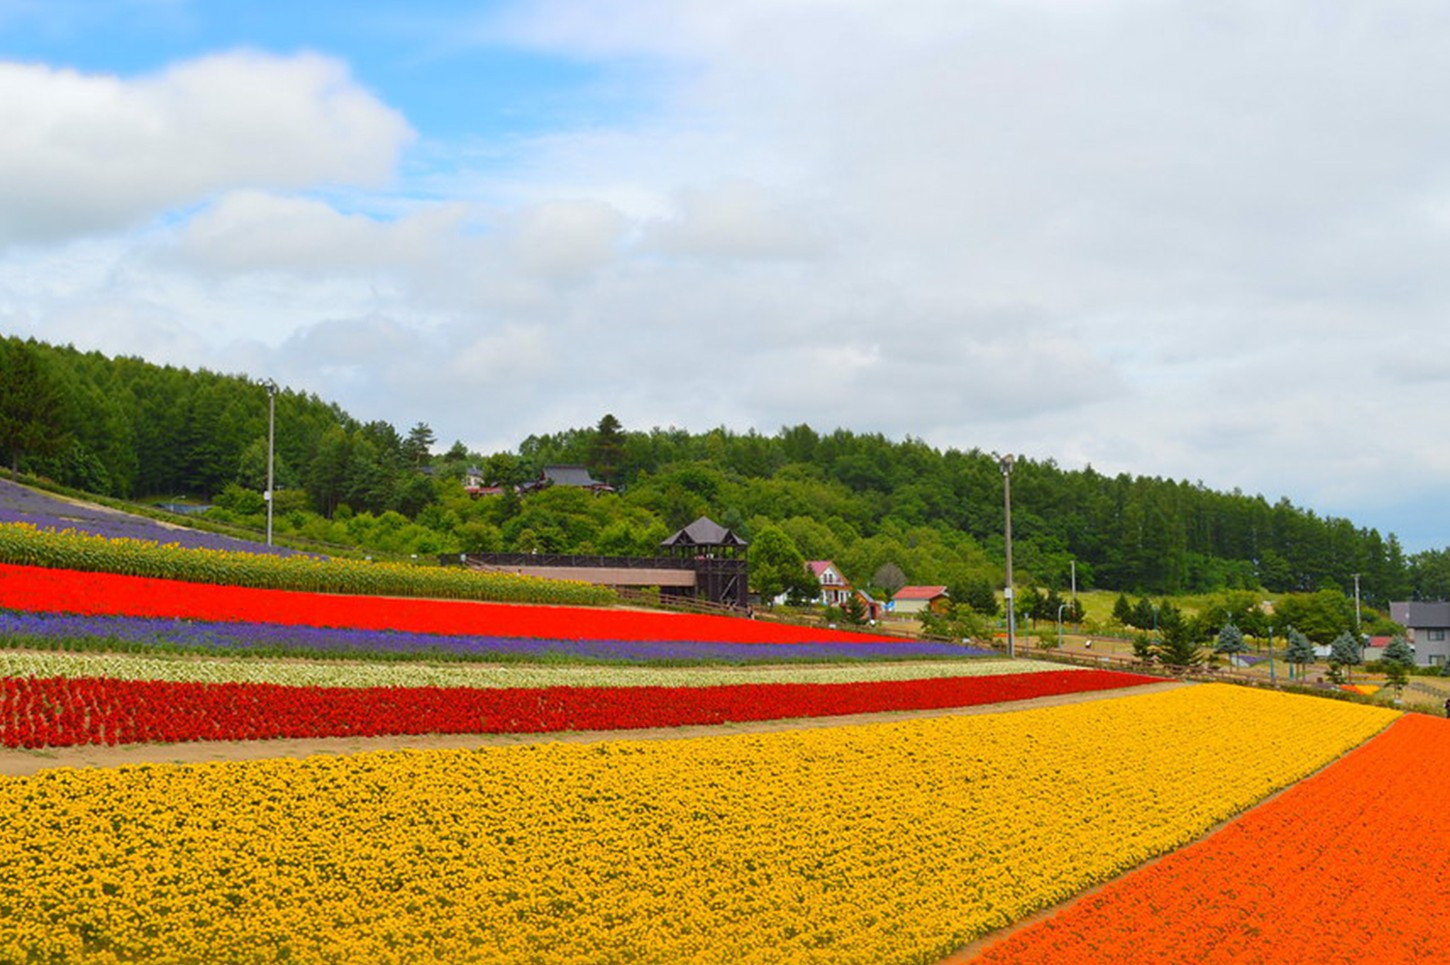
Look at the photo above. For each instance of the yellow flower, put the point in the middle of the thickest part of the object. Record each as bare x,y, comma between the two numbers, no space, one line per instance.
883,843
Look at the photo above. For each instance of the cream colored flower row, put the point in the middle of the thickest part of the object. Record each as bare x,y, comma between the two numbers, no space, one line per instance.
411,674
885,843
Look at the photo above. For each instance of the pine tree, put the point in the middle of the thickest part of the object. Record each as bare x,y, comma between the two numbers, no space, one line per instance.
1345,651
1300,650
1230,639
32,411
1400,652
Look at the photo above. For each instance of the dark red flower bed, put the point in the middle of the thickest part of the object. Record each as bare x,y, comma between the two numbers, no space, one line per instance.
60,711
38,589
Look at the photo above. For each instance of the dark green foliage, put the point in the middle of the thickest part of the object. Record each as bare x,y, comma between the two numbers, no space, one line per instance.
1179,646
1320,616
606,452
978,593
777,568
32,408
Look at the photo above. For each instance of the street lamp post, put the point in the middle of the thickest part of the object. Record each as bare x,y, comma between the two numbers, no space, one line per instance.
1060,608
1273,680
271,388
1006,464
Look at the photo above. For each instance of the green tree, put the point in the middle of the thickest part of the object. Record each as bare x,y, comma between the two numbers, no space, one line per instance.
1178,647
1399,651
1345,651
606,452
1320,616
1300,650
32,410
977,593
1179,643
1230,640
777,568
1399,657
419,444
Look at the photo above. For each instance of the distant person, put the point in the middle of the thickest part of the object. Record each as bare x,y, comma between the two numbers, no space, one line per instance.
1447,706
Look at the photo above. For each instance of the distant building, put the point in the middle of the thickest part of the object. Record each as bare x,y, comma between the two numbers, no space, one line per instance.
474,485
1427,627
835,589
916,599
573,476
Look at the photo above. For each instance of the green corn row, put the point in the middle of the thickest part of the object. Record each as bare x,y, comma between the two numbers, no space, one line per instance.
27,545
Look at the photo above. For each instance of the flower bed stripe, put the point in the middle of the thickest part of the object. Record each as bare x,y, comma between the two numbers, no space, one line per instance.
38,589
61,711
1365,837
885,844
60,631
297,673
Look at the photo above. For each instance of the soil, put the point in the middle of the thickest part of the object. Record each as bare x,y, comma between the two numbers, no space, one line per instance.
23,763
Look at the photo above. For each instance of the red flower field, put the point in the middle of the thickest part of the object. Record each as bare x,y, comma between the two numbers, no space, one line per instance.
67,591
61,711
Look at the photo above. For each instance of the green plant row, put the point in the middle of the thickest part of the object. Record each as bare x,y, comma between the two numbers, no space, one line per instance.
25,544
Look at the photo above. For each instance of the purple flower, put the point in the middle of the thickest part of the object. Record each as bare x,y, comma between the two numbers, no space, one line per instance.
19,504
48,630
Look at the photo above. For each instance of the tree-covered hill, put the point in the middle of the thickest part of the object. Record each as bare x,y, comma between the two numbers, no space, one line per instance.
125,427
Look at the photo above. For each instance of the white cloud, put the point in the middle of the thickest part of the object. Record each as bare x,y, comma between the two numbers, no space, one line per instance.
1196,241
92,152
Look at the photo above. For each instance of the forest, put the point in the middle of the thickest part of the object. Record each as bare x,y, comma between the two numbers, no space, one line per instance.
127,428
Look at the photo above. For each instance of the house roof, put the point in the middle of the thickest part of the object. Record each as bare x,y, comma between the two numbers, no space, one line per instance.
1415,613
570,476
817,567
920,593
704,532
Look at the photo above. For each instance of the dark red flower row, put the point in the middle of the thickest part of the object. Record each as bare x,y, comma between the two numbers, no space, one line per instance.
44,590
61,711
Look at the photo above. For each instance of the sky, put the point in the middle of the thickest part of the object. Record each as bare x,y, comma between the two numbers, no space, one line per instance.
1201,241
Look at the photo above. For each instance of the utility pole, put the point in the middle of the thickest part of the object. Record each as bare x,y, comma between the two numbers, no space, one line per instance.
1357,638
271,388
1006,464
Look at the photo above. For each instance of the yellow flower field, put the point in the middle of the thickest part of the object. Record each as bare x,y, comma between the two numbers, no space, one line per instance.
884,843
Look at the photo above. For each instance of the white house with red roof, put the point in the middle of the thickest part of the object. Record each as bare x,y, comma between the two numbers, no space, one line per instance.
835,588
916,599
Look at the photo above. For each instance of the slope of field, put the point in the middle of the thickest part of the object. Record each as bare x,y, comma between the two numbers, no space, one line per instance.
883,843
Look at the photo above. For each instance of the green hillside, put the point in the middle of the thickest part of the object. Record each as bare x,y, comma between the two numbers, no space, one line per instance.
880,508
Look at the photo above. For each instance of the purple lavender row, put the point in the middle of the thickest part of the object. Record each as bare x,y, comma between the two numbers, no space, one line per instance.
105,632
19,504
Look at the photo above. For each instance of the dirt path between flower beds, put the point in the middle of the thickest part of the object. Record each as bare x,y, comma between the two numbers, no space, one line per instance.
22,763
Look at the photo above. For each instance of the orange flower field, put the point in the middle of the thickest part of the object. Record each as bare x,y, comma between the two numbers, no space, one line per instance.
1352,865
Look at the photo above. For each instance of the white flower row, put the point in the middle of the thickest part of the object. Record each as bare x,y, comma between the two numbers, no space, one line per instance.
411,674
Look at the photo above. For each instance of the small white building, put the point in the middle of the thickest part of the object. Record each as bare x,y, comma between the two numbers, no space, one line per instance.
917,599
